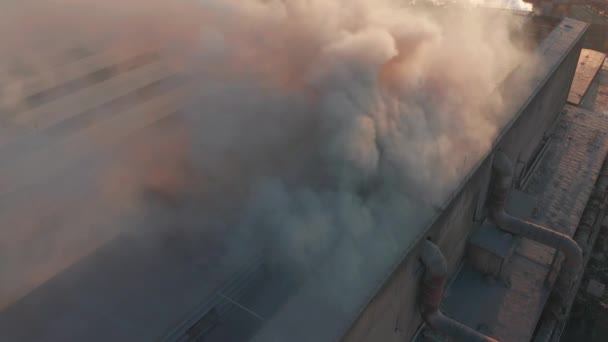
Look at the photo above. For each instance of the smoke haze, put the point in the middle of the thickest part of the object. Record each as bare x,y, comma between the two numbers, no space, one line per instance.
314,126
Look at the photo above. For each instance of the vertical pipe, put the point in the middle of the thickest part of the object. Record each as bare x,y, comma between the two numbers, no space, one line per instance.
433,284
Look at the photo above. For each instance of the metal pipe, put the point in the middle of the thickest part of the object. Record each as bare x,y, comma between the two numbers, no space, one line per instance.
550,329
502,174
433,283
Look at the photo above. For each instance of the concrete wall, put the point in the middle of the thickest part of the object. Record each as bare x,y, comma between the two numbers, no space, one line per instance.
392,315
522,140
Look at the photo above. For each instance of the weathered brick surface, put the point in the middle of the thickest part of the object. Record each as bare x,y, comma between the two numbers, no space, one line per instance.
565,177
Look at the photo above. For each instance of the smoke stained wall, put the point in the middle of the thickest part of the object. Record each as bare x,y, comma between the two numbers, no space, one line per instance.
317,128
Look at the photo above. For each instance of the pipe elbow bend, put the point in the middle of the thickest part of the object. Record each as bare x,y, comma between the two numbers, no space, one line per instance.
454,329
572,250
538,233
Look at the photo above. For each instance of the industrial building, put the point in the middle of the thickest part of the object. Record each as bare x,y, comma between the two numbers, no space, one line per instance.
500,259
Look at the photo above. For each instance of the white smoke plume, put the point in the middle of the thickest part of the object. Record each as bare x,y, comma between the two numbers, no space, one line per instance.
508,4
316,124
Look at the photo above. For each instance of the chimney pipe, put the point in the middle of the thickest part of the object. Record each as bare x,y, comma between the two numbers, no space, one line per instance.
502,175
433,283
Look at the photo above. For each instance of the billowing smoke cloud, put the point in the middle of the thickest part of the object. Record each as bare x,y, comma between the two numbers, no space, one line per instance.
314,124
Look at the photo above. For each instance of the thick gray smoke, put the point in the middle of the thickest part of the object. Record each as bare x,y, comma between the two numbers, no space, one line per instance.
342,118
315,124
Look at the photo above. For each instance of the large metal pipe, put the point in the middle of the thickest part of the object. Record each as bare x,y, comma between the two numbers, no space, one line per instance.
502,175
433,283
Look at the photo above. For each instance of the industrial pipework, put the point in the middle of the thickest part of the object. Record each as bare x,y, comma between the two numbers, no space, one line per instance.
502,175
433,283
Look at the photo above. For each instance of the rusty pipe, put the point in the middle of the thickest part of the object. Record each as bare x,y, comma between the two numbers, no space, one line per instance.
433,284
502,175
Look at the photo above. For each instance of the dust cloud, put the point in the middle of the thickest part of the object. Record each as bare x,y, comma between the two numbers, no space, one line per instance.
315,126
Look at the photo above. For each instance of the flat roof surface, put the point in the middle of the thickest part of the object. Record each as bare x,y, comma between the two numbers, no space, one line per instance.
589,63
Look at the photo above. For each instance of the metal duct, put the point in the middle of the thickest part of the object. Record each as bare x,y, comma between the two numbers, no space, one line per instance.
433,283
502,175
